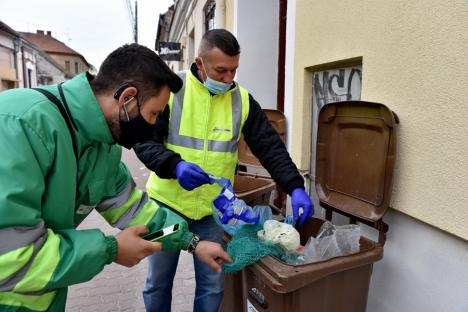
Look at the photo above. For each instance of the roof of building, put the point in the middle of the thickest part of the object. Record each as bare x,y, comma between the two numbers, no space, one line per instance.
46,42
8,29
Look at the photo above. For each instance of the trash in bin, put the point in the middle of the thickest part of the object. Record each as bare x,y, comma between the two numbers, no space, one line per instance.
282,241
245,248
331,241
337,284
280,233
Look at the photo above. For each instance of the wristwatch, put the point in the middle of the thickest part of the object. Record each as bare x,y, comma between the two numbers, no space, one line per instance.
193,243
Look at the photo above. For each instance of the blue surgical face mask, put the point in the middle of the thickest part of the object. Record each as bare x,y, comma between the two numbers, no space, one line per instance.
214,86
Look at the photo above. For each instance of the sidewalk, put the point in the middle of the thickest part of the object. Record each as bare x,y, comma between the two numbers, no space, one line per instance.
118,288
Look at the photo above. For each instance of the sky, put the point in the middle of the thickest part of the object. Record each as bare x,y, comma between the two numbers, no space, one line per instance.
94,28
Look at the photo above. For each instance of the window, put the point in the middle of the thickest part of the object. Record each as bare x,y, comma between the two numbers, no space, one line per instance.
67,67
76,68
210,15
6,57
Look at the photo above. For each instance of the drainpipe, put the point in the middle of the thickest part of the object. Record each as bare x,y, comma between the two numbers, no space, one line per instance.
25,69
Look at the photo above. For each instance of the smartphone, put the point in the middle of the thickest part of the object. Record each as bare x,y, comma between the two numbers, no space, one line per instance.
161,234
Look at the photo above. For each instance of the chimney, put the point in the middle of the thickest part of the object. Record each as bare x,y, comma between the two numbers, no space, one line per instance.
40,32
49,33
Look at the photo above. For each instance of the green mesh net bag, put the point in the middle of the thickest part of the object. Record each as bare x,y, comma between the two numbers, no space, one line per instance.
245,248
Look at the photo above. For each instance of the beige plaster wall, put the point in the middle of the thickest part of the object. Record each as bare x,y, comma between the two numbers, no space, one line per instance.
414,60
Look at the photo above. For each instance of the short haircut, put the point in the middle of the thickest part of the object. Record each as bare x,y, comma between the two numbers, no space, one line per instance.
138,65
221,39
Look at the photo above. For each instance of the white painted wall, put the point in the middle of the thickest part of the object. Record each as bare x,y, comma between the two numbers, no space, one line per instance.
257,33
423,270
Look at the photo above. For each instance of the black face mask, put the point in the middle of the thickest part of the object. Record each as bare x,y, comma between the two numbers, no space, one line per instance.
136,130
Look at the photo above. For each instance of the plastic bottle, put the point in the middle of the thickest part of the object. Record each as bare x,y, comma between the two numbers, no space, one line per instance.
229,211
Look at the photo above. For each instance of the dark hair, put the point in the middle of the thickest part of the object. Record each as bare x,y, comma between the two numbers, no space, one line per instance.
138,65
221,39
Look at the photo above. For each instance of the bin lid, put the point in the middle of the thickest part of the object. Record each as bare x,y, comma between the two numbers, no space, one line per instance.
278,121
246,184
355,157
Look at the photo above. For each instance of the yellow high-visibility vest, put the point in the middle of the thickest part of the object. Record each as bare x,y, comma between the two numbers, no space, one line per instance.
204,130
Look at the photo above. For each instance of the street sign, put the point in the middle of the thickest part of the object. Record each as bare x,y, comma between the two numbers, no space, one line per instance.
170,51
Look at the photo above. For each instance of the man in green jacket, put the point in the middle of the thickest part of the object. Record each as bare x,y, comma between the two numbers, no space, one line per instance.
59,160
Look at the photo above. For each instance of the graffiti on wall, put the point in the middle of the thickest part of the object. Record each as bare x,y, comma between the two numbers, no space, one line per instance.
336,85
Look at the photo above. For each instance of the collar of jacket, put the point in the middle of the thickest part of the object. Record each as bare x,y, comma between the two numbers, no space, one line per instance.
194,71
86,111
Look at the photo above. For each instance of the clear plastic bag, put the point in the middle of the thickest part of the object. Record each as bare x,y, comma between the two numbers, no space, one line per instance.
332,241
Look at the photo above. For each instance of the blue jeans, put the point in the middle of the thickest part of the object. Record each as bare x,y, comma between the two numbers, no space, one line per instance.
162,267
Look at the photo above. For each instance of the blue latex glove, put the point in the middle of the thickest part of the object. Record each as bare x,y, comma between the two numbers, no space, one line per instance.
190,175
300,199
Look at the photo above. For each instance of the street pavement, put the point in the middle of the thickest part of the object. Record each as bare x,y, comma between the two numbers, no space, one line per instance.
118,288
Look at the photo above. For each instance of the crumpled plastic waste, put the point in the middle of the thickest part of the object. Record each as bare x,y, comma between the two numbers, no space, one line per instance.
280,233
331,241
231,212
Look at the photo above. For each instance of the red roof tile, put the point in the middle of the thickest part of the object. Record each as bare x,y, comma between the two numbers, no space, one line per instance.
46,42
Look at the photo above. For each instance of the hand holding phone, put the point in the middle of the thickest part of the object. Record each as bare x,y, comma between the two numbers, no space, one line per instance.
131,248
162,234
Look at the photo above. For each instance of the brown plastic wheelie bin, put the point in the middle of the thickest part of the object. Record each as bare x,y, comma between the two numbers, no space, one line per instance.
354,172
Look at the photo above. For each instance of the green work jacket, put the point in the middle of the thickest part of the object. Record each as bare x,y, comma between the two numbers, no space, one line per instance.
44,195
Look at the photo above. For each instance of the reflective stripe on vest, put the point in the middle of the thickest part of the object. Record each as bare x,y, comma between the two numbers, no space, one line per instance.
175,138
203,129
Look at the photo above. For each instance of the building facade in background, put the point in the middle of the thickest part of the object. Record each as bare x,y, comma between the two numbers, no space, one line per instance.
18,59
8,69
24,64
260,28
72,61
48,70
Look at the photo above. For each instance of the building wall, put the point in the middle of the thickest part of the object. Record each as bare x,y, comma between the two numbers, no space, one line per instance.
62,58
29,67
423,269
257,33
47,73
259,49
8,73
230,6
187,28
414,60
